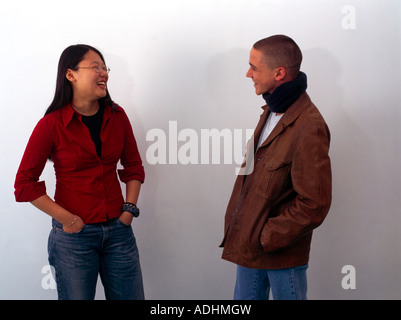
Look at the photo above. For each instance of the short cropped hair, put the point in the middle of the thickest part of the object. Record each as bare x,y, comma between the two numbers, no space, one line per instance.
281,51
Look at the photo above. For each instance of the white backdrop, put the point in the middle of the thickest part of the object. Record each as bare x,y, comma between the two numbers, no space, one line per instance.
185,61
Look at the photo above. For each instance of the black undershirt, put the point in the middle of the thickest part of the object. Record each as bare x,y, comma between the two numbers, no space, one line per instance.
94,124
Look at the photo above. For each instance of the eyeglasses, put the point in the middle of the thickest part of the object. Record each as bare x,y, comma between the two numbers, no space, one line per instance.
98,69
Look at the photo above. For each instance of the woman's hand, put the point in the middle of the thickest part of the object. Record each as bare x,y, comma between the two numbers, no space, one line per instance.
75,226
126,218
71,223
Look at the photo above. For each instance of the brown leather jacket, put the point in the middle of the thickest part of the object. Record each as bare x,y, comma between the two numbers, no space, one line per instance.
273,210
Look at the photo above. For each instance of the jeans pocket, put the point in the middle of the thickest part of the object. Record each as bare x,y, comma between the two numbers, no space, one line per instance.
122,223
58,229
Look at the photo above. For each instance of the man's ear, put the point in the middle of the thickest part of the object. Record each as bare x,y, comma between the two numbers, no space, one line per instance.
70,75
280,73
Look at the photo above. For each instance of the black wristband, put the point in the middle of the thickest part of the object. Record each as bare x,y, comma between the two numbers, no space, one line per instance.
131,208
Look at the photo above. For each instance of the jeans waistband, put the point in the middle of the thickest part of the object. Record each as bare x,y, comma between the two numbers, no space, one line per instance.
58,224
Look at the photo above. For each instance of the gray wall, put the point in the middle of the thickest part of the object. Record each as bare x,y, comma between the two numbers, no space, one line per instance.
185,61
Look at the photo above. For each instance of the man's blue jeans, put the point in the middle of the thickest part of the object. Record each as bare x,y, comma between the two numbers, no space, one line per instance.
108,249
286,284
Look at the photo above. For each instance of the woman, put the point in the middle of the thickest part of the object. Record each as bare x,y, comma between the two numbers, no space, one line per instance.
85,134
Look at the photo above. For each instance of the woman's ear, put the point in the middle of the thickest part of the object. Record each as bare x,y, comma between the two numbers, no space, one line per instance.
70,75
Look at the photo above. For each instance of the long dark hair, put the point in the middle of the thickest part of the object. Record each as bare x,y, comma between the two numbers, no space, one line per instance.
69,59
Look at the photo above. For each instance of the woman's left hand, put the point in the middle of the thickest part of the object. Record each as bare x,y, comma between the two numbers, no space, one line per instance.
126,218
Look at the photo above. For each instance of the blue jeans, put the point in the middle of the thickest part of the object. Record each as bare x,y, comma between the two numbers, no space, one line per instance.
108,249
286,284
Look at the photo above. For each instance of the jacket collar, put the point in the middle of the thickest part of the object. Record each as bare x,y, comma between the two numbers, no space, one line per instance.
287,119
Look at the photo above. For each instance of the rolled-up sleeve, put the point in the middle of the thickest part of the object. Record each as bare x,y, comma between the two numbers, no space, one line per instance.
27,185
130,159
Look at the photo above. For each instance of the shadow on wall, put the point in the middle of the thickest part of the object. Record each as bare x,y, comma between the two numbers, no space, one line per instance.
360,229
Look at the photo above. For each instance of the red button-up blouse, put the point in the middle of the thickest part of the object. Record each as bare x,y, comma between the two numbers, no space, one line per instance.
86,185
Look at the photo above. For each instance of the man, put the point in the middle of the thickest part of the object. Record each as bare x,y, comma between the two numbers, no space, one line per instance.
274,208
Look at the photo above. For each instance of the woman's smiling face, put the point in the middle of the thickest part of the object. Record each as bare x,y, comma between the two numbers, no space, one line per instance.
87,83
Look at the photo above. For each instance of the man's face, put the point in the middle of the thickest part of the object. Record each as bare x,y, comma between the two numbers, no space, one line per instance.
263,77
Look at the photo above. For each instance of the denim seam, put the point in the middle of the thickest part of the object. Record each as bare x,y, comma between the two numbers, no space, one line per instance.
255,284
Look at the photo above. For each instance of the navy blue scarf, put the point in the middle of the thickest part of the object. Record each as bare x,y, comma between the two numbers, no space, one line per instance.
286,94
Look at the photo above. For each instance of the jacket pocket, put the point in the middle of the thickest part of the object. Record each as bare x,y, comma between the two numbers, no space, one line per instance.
276,176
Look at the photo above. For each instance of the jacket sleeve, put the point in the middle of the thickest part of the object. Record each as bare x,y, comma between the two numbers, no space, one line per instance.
311,179
27,185
130,159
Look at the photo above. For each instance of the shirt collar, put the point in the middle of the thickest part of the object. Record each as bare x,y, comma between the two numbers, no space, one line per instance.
68,113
